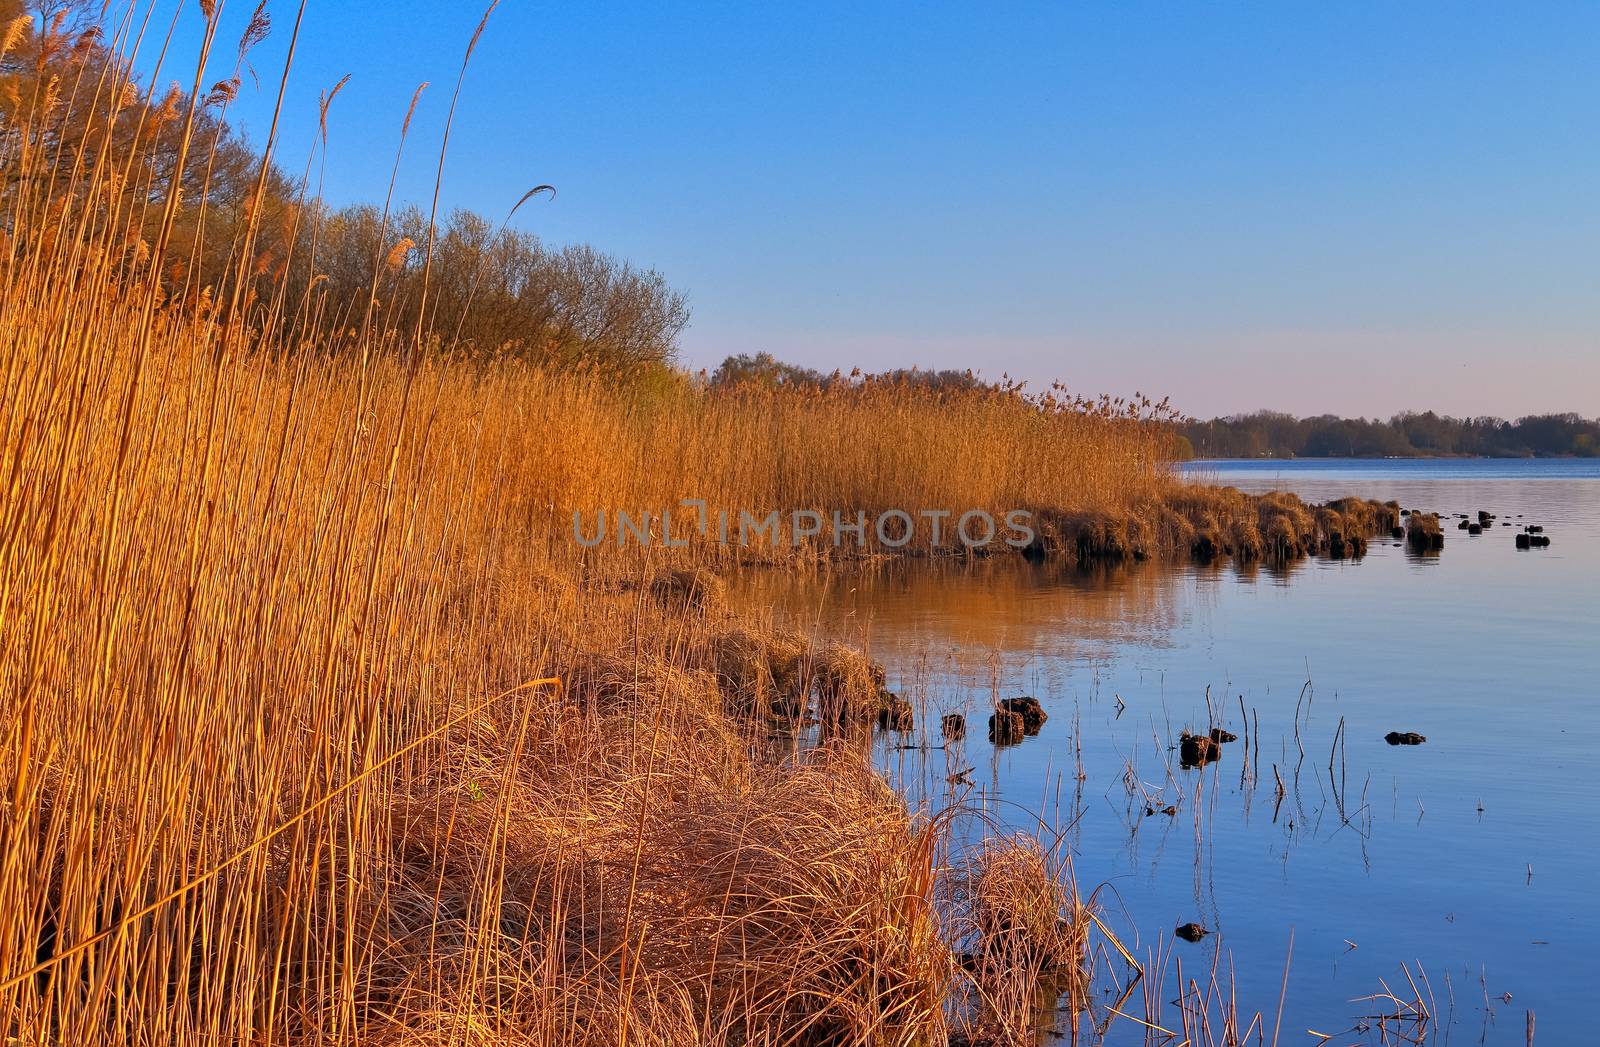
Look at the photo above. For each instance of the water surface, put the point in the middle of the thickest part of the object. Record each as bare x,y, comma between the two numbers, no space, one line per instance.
1472,857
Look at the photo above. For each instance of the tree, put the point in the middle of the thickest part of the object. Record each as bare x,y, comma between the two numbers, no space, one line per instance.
490,290
764,369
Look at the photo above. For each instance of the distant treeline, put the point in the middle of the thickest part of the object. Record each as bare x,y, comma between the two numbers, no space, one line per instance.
765,369
1269,434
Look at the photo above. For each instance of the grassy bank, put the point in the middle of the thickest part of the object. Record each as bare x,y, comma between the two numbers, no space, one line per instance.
314,732
318,727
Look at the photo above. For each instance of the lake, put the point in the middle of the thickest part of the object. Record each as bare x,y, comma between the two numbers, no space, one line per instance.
1470,858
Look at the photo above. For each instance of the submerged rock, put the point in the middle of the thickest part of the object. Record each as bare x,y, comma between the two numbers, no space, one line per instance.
1197,750
1032,713
1404,738
1007,728
1191,932
953,726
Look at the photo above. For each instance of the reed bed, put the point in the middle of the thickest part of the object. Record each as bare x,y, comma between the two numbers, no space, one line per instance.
317,729
318,726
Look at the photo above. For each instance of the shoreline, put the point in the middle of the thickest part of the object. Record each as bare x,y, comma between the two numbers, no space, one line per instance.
1189,522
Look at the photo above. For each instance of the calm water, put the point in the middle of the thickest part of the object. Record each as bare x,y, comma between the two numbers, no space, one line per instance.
1472,858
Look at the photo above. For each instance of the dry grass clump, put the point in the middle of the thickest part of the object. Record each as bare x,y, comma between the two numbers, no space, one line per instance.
1024,931
608,684
1424,533
690,589
620,872
1087,536
772,675
850,686
1208,523
762,674
1020,907
1288,527
1172,529
789,658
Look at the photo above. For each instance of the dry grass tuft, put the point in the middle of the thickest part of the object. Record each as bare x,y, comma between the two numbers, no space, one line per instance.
606,685
1424,533
762,674
849,686
1187,520
650,872
692,589
1026,936
1019,907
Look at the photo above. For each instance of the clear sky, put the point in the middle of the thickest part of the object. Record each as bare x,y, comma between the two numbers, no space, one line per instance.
1346,207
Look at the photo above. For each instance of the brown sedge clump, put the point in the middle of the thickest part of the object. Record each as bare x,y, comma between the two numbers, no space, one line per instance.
762,674
1024,937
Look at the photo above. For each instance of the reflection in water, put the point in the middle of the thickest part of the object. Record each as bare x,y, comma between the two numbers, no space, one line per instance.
1004,603
1469,857
1022,616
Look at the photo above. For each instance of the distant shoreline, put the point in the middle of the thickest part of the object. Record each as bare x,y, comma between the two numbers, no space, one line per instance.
1270,434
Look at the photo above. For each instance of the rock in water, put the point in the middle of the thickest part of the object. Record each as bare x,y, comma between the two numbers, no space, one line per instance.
1197,750
1007,728
894,713
1032,713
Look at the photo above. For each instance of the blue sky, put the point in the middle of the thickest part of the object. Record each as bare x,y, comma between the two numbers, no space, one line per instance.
1352,207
